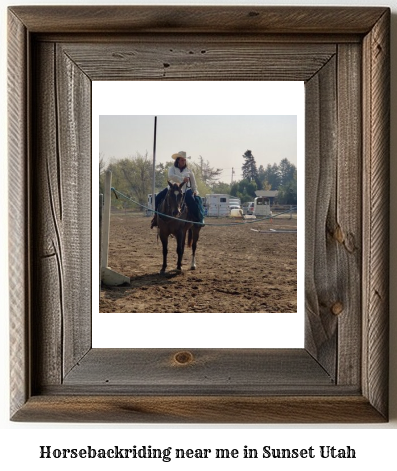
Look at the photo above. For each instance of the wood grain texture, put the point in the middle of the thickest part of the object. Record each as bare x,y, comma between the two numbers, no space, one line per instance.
321,278
74,125
376,91
333,215
199,409
63,223
341,376
48,252
199,19
246,370
346,227
18,211
211,59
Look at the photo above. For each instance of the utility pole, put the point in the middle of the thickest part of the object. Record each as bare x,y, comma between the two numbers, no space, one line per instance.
154,163
232,174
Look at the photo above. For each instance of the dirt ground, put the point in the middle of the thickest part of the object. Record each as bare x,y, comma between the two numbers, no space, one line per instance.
244,267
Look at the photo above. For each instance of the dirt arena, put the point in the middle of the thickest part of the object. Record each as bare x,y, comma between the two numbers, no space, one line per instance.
240,268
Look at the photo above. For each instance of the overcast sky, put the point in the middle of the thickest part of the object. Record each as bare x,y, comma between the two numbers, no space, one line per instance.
222,140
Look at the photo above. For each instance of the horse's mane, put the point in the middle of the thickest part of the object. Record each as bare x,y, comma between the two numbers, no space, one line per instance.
164,208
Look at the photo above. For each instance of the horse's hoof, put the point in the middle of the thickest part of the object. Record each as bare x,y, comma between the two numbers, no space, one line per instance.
162,272
193,267
179,270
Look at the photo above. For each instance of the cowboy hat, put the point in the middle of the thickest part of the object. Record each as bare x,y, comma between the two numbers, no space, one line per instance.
181,153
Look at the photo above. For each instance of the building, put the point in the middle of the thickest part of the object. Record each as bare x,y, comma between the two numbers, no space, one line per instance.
271,194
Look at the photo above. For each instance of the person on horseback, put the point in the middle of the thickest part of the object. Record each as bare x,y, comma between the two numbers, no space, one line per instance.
178,173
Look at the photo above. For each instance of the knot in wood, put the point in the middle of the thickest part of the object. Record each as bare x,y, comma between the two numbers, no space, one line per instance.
337,308
183,358
338,235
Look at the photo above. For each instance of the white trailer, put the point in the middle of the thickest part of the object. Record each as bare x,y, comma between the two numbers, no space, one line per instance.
218,205
234,201
262,206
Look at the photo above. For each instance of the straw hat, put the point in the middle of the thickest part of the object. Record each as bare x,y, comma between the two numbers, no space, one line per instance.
181,153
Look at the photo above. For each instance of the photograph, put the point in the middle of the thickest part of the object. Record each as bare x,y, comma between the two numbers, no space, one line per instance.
222,235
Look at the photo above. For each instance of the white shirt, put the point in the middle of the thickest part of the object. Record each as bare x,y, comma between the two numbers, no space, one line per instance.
176,176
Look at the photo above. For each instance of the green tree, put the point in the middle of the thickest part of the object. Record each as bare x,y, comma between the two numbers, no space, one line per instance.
286,171
272,177
262,178
249,168
133,176
162,175
221,188
287,193
244,189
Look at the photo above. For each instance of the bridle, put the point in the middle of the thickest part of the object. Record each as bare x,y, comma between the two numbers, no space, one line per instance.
174,200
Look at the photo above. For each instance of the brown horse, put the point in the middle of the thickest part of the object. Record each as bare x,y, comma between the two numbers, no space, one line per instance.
176,225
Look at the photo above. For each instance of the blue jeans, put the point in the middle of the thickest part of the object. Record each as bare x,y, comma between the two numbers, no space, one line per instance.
159,198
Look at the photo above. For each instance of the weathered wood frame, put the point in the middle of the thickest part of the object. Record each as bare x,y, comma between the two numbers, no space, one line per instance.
342,54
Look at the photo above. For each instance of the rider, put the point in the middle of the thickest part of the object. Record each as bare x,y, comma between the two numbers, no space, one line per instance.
178,173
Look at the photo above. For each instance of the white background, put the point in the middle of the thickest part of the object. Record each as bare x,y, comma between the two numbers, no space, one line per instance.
19,445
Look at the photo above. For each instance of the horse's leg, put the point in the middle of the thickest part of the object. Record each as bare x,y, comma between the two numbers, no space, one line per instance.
180,248
164,241
195,235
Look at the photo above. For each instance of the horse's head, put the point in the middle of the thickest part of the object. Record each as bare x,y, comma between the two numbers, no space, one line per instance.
174,198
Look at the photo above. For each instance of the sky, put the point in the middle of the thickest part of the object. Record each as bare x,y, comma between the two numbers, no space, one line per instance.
220,140
217,121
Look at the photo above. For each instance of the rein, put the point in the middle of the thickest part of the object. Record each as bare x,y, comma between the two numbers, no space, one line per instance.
183,199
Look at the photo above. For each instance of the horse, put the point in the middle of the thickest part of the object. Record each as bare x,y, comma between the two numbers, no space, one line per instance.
173,205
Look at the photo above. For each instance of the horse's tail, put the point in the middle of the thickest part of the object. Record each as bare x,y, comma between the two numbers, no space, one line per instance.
190,238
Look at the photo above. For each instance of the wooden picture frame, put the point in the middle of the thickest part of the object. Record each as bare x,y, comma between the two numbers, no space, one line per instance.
342,54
